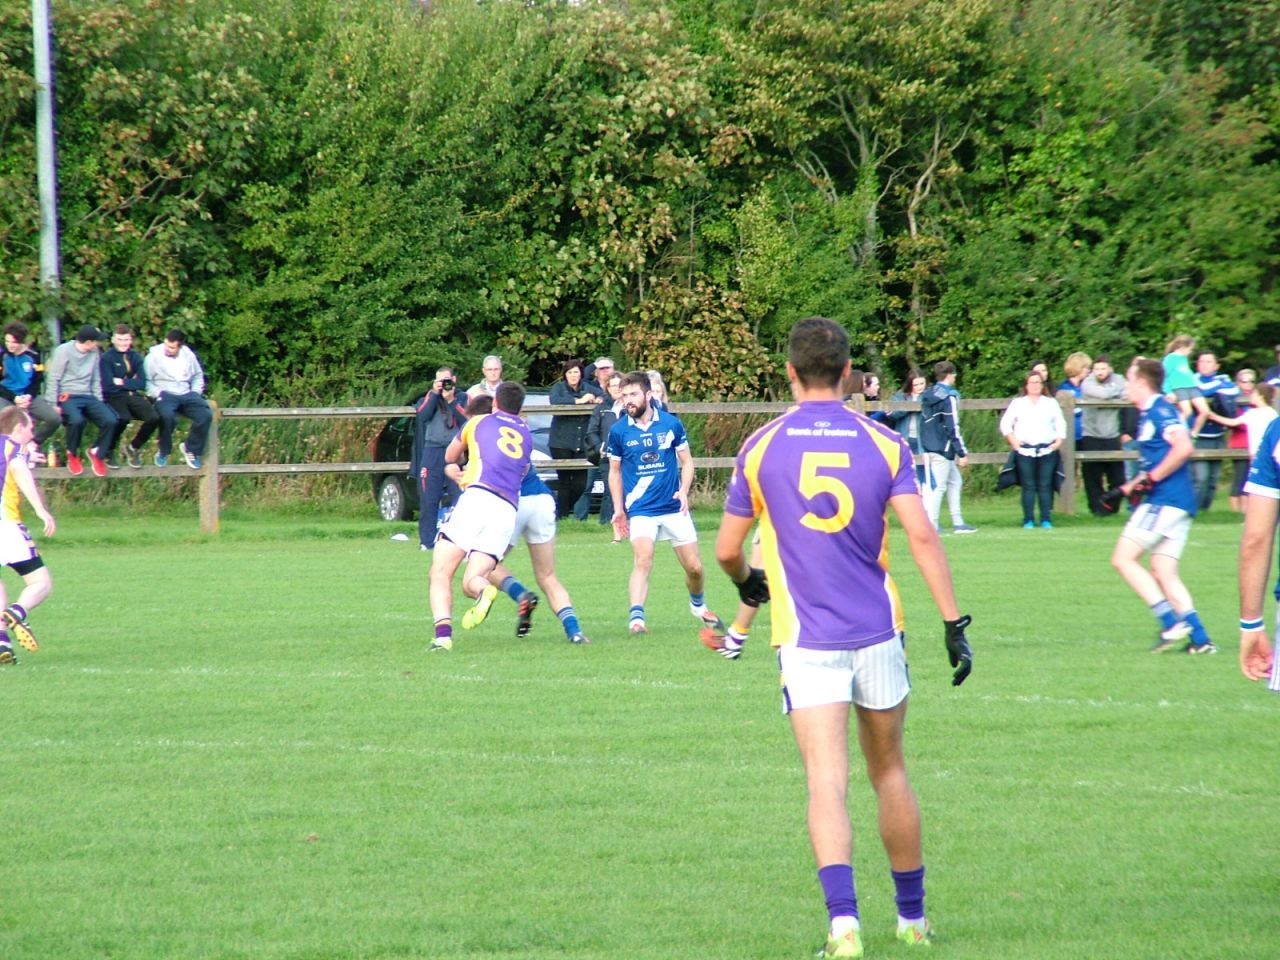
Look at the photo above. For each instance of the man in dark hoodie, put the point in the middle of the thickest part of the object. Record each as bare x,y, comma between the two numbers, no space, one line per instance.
944,449
440,417
124,388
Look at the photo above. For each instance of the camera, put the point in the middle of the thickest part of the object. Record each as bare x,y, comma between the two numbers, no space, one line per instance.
446,384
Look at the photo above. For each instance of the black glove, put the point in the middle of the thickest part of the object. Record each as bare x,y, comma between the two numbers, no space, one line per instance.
958,649
754,590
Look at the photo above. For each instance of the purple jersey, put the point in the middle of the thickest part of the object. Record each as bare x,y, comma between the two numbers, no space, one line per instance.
499,446
820,478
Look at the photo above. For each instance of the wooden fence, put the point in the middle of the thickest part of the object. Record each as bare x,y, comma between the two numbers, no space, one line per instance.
213,469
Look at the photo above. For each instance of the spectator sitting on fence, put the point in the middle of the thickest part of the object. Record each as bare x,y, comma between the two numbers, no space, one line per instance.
1180,383
73,385
20,386
175,383
124,388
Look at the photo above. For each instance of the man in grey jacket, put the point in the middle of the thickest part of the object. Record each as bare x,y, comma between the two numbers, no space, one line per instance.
73,384
1101,431
175,383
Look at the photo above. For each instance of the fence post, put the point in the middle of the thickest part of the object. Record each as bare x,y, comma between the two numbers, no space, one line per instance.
1067,499
209,481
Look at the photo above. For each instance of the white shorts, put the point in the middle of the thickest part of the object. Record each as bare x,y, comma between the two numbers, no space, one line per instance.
481,522
16,545
676,527
535,519
874,677
1161,530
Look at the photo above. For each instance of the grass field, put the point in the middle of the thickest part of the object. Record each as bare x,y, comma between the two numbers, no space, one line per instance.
237,748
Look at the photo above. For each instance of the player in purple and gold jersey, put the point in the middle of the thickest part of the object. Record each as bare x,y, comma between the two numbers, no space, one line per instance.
498,448
820,479
17,550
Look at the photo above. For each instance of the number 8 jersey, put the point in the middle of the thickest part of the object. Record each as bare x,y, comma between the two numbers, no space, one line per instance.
820,478
499,447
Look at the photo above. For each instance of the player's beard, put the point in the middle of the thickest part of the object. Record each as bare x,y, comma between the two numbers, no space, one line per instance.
636,411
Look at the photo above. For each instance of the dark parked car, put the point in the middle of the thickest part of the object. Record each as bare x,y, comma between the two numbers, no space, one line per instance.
397,495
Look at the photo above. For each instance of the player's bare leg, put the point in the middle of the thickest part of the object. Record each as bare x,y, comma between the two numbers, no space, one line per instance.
1126,558
691,560
822,736
444,564
543,557
641,567
36,587
1165,571
880,735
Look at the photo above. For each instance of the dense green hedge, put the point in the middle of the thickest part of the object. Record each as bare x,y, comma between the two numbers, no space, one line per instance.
333,196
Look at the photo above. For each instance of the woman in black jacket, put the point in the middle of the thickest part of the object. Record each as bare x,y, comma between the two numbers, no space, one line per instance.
568,434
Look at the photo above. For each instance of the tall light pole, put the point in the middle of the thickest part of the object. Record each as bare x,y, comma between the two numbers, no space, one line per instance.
46,167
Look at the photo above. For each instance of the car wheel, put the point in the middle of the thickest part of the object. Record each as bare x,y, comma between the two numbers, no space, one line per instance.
392,504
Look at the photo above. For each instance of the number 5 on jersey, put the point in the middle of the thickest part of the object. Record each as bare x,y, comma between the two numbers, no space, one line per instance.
813,484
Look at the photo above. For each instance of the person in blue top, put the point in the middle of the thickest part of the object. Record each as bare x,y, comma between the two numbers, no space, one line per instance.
1220,395
20,386
1161,524
650,473
1261,511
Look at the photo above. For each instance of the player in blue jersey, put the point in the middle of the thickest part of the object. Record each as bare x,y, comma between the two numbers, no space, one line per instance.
650,473
17,550
536,523
1261,511
498,448
1160,525
820,479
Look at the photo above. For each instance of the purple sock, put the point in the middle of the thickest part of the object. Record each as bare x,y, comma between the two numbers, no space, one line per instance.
910,893
837,888
18,611
444,630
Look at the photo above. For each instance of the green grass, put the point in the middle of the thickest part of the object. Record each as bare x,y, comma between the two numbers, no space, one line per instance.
236,747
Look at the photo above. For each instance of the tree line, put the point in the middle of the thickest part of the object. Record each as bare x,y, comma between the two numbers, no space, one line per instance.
335,196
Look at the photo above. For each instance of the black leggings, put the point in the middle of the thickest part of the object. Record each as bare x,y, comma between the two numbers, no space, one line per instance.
572,482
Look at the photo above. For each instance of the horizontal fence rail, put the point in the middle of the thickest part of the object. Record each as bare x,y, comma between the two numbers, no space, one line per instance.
213,468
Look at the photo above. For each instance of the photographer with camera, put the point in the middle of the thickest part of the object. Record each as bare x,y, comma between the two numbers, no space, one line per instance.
438,420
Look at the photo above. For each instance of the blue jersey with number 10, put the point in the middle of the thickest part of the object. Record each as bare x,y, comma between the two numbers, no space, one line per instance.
650,466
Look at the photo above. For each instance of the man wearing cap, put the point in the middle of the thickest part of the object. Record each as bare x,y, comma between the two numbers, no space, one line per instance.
73,384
